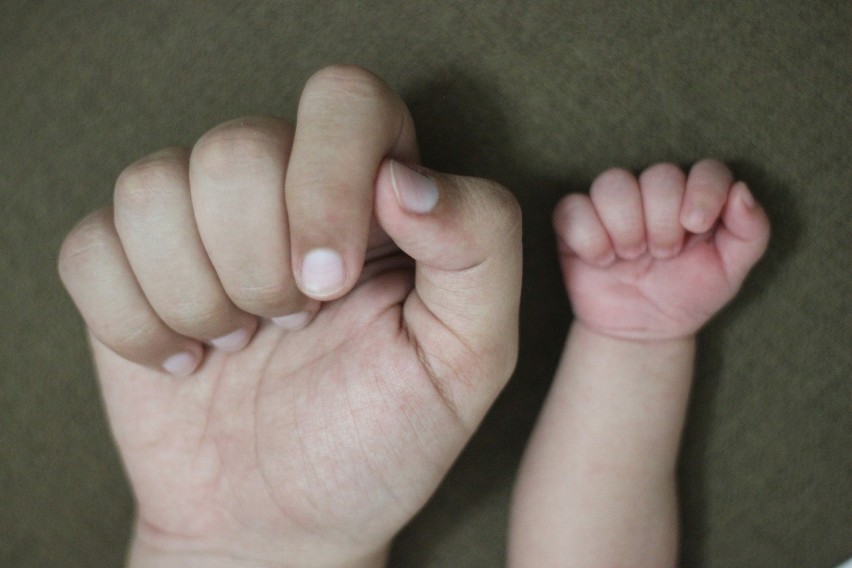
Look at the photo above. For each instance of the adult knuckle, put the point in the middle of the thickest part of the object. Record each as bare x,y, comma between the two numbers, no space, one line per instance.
243,146
136,330
192,316
492,204
347,81
265,298
508,214
140,184
87,240
496,355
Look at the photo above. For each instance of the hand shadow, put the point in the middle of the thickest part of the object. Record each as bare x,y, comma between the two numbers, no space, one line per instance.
463,130
703,422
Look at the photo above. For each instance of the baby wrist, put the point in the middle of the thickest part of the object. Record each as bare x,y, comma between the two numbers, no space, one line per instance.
646,338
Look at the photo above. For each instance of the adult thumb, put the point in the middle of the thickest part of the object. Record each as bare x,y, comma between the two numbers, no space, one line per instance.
464,235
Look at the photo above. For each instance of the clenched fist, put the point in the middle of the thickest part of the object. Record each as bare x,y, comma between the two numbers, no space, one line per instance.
343,317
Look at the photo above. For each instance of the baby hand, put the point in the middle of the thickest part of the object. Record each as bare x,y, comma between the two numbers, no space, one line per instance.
656,257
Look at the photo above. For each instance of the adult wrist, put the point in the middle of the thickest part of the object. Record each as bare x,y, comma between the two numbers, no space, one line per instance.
142,556
146,552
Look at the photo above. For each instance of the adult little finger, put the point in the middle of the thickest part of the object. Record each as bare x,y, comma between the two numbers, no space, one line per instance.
95,271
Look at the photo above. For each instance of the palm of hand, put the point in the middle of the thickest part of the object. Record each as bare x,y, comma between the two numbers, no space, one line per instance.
325,434
651,298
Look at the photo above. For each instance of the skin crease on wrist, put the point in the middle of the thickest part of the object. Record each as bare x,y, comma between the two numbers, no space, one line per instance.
597,481
144,556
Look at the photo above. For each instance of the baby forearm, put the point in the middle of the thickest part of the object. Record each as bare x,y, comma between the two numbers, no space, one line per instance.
597,486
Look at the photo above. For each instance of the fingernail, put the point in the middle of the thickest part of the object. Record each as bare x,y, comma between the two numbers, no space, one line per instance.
293,322
415,192
181,364
322,272
233,341
747,197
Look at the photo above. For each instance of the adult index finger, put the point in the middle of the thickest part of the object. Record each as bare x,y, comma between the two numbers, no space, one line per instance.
348,121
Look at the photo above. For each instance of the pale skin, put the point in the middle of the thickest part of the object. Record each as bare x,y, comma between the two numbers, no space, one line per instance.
295,330
647,262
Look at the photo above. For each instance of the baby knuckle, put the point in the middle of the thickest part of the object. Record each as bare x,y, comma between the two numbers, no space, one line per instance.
588,243
665,170
711,164
568,207
612,178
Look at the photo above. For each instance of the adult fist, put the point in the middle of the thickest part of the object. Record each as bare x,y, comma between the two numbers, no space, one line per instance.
347,318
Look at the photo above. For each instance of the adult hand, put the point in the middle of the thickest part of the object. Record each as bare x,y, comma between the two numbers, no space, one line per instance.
345,319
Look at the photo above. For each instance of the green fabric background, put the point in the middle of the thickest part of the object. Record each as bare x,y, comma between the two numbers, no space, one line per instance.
538,95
